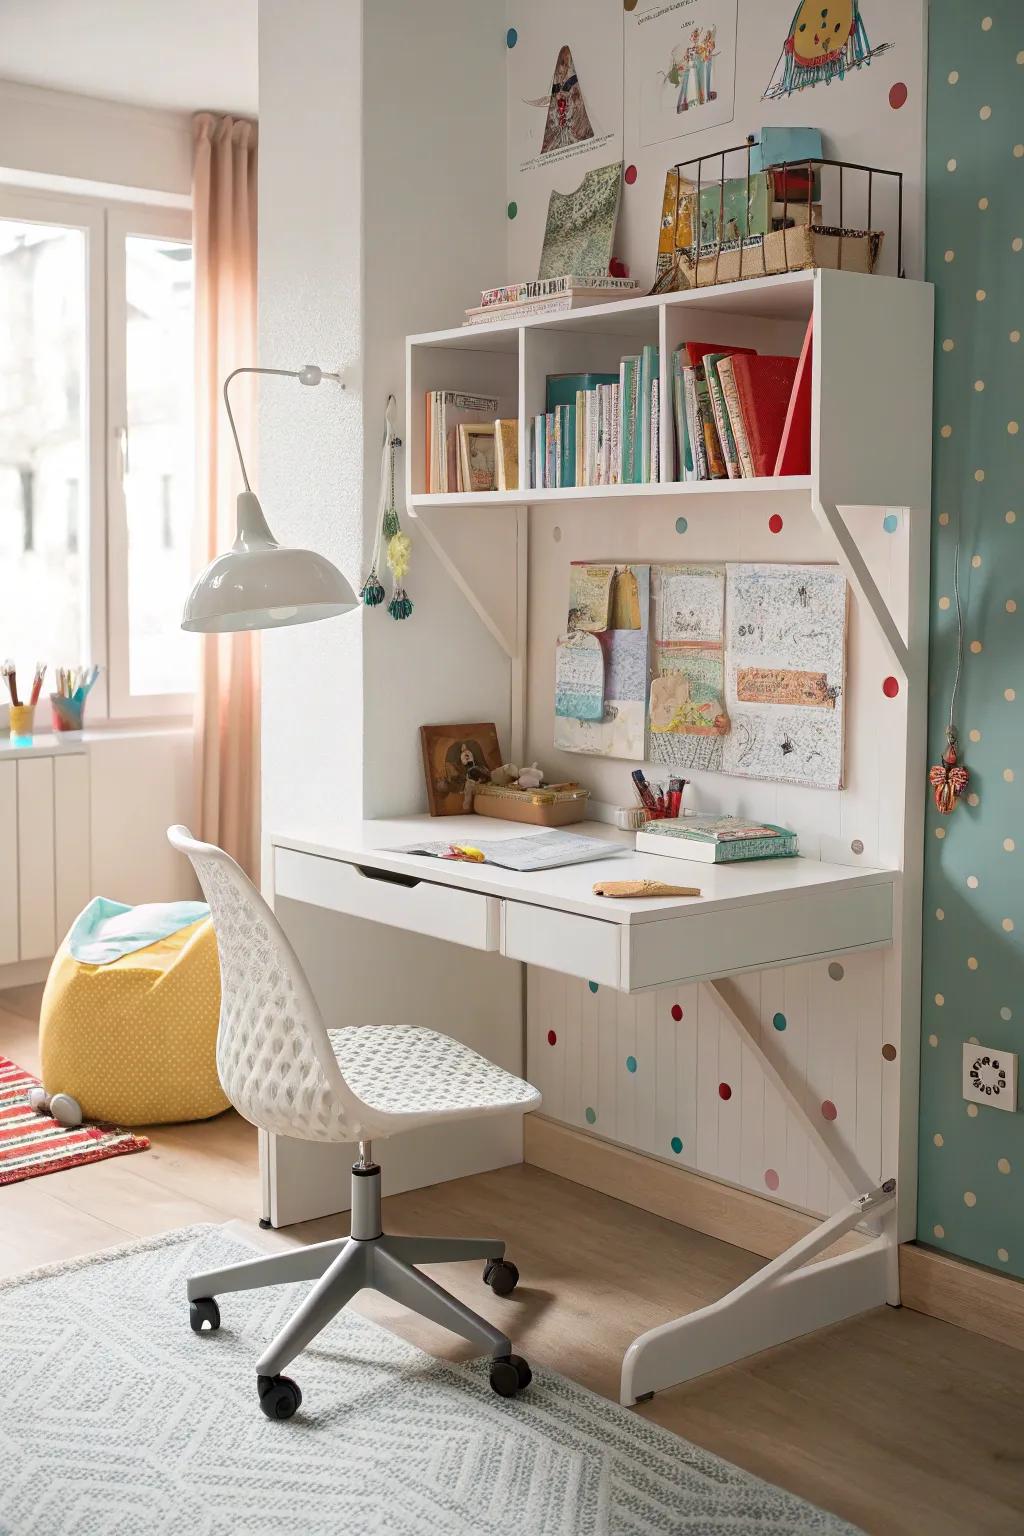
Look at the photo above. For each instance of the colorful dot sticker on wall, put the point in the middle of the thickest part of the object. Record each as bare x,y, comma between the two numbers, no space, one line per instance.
592,985
890,522
512,209
771,1178
552,1037
629,176
681,525
590,1115
511,37
676,1144
724,1091
836,971
898,95
828,1110
890,687
630,1063
676,1012
888,1052
775,523
779,1021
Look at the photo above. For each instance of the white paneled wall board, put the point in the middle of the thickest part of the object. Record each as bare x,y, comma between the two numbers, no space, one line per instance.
72,838
8,863
37,875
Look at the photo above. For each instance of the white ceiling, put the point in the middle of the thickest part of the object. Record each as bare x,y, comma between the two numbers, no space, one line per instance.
184,55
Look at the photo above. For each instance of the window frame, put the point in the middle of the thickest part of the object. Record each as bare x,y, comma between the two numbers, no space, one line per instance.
106,224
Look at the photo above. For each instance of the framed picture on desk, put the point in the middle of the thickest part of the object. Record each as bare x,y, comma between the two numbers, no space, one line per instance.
454,757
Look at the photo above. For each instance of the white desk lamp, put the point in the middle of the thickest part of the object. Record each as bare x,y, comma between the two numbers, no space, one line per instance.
259,584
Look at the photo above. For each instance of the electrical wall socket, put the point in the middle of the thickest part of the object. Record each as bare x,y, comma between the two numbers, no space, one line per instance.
990,1076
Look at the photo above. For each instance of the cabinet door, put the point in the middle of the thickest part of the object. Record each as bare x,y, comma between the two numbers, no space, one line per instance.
35,858
72,830
8,863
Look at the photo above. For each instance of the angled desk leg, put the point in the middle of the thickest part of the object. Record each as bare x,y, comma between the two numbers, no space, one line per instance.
784,1299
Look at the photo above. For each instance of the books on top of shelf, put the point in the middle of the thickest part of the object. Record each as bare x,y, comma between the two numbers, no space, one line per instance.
599,284
447,410
731,409
717,839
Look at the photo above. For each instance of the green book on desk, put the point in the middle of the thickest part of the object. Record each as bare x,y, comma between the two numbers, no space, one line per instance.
716,839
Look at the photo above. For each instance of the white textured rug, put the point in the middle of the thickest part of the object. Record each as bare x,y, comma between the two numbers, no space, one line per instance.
119,1421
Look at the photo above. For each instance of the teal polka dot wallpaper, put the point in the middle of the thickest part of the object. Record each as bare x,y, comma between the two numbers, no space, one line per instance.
971,1194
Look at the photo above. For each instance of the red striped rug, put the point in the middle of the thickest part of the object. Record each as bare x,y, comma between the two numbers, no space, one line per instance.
31,1143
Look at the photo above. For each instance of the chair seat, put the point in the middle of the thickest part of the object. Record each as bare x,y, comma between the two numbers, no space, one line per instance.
398,1069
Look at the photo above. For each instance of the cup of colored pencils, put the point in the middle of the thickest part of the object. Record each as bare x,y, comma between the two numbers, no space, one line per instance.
22,712
74,684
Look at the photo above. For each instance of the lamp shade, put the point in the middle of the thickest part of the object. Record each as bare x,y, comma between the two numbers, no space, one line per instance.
258,584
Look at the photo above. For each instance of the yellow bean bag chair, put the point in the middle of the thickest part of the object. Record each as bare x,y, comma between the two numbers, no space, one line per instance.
135,1041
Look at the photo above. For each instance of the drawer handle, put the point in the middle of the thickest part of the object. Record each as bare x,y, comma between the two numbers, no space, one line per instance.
388,875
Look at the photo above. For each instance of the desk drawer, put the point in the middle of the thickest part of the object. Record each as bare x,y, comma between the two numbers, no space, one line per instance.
562,941
439,911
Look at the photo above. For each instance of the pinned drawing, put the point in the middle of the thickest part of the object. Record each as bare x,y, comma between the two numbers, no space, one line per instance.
568,121
618,669
688,717
785,675
824,42
681,66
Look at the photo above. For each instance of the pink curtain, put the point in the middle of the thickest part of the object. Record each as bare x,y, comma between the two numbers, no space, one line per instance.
227,703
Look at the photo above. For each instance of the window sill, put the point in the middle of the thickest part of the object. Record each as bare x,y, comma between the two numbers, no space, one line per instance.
54,744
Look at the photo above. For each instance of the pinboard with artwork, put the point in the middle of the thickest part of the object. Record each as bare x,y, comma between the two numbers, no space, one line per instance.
730,668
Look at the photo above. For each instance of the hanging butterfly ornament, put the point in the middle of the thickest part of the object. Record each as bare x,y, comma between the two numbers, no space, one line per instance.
395,545
949,778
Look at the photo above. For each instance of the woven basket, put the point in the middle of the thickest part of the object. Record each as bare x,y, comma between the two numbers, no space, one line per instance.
785,250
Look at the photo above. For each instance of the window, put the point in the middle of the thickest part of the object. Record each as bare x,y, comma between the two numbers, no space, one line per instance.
97,519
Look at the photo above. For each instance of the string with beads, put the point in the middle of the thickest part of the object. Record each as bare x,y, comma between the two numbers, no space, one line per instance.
949,778
390,540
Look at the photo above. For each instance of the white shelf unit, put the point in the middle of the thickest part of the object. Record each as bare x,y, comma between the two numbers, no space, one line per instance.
870,456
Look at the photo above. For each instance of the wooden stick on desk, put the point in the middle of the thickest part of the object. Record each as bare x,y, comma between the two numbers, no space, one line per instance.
620,888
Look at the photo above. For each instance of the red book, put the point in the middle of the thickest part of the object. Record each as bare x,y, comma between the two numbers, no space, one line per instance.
763,385
794,456
697,351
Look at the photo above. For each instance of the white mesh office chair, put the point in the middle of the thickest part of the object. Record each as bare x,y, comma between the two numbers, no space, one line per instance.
287,1073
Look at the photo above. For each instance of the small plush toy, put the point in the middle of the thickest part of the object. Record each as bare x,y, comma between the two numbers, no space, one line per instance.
504,775
531,778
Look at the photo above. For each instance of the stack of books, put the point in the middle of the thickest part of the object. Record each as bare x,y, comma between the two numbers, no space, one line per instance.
599,428
549,296
738,414
717,839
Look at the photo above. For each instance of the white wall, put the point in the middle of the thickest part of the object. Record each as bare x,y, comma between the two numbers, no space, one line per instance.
52,138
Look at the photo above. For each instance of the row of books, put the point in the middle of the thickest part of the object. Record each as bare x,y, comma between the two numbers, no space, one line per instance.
599,428
468,447
739,414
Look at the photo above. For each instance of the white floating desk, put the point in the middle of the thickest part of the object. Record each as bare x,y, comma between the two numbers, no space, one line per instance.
750,916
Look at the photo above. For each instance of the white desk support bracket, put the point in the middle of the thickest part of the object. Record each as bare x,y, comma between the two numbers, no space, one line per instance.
513,644
784,1299
855,568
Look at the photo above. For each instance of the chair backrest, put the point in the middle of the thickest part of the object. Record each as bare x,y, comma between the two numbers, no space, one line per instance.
274,1056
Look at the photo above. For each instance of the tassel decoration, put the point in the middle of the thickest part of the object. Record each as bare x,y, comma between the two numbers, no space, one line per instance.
390,538
372,591
400,606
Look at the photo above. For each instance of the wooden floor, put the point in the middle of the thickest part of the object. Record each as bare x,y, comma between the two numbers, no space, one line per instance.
896,1421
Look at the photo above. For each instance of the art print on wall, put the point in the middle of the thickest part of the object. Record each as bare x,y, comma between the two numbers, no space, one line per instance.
609,606
824,43
681,66
688,717
785,674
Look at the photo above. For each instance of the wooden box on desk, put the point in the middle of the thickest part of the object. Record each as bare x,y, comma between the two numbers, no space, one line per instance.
556,805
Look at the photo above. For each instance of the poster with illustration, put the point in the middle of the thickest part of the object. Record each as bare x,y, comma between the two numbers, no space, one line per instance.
688,719
681,66
824,43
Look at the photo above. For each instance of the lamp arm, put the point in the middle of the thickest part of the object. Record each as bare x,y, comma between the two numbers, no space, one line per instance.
308,375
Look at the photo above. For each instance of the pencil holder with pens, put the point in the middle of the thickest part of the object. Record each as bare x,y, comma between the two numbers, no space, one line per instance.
22,722
67,713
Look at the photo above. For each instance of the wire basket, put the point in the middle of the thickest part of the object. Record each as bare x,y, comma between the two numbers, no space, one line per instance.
784,218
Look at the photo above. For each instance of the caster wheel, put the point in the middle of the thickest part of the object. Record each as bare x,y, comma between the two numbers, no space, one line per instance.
510,1375
502,1276
39,1100
279,1396
66,1110
204,1315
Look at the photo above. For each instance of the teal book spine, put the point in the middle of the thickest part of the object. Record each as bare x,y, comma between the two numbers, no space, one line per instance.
629,440
755,848
550,454
568,413
648,373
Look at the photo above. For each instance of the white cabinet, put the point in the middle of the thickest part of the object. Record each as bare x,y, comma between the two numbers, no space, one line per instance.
37,876
8,863
45,866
